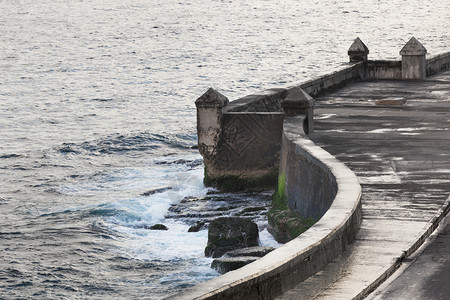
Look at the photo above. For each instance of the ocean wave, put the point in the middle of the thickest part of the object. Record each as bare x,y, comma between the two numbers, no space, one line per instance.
13,155
190,163
120,212
124,143
3,201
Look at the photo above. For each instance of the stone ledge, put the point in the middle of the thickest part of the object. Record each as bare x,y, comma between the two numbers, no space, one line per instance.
258,251
226,264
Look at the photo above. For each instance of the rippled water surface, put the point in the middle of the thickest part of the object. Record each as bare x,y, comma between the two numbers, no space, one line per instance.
97,123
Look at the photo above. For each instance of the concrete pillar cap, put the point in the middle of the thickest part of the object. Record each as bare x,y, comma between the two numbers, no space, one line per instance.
358,47
413,47
211,98
297,98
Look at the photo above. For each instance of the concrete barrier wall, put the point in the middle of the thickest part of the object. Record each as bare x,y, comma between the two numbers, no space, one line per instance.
334,80
438,63
248,153
287,266
267,100
270,100
383,69
310,186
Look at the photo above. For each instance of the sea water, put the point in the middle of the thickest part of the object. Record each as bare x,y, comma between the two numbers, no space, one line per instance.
97,123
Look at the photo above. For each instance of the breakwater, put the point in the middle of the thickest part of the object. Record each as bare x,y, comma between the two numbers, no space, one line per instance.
305,255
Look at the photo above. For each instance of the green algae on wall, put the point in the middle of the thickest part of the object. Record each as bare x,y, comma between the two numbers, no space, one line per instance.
285,224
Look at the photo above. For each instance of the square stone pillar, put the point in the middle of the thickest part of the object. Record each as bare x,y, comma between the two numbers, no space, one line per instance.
358,51
298,102
414,64
209,121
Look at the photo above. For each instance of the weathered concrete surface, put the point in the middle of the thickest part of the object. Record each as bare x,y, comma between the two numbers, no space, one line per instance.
401,155
427,276
264,101
247,153
330,82
358,51
414,64
383,69
240,142
310,186
438,63
209,122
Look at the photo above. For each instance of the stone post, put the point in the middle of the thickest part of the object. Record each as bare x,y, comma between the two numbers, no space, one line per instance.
298,102
414,65
209,121
358,51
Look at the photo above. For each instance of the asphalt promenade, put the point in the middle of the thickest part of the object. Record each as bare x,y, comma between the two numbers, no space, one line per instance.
395,136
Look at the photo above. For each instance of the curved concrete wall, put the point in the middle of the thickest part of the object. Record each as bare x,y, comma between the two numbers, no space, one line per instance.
310,186
285,267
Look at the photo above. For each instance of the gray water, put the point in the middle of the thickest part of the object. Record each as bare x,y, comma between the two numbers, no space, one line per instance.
97,109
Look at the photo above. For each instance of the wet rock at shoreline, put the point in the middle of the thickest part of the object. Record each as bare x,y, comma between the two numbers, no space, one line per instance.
252,206
156,191
251,210
158,227
230,233
258,251
226,264
197,227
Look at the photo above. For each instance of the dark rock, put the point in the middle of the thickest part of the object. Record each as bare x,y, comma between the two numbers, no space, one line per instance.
227,234
159,227
197,227
155,191
258,251
226,264
225,208
286,225
251,210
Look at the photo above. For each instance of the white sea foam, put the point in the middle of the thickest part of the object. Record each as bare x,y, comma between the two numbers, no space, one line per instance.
174,243
187,184
196,274
266,239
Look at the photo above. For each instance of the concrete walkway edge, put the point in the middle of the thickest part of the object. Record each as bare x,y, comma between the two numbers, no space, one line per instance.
432,225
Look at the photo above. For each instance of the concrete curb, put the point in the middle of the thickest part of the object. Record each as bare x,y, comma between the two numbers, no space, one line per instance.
431,227
287,266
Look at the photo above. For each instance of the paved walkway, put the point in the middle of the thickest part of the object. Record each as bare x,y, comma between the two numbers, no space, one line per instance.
395,136
427,276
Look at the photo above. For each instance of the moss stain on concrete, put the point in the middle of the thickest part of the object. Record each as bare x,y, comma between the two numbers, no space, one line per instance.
285,224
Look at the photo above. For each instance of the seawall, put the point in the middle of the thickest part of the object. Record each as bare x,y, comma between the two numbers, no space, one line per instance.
316,183
285,267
